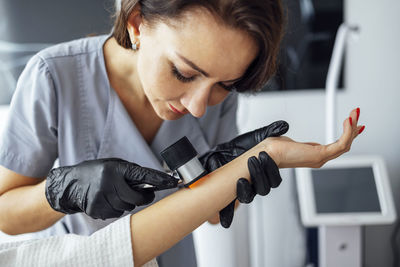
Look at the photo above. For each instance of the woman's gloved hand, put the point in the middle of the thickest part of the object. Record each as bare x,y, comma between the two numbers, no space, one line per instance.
263,171
103,188
264,175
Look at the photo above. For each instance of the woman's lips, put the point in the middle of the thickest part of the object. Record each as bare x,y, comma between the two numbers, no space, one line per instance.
176,110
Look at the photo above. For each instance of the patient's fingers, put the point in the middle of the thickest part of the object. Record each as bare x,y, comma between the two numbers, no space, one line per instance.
350,132
360,129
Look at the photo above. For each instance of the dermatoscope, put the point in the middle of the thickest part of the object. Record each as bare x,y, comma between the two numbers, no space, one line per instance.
181,158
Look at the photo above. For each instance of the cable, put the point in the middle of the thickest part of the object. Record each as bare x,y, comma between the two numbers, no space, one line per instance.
395,245
363,245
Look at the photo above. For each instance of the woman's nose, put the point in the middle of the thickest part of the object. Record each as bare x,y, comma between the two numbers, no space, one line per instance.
196,101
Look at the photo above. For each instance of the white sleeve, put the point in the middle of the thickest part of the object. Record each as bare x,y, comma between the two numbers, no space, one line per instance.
110,246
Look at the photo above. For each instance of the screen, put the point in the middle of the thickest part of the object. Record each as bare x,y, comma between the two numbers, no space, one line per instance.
345,190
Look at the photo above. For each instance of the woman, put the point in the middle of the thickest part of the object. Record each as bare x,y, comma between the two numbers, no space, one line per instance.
166,71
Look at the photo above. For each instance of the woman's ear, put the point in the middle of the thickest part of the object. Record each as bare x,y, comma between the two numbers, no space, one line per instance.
133,24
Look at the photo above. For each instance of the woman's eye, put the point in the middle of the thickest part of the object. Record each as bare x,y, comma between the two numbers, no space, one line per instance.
229,88
185,79
180,76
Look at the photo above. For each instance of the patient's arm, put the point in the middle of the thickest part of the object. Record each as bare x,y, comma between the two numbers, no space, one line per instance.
163,224
160,226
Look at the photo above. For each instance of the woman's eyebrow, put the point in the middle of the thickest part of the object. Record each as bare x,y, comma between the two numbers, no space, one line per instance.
194,66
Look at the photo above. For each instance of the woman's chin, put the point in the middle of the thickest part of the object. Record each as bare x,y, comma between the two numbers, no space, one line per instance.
170,116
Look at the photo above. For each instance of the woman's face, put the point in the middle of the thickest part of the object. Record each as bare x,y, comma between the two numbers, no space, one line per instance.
186,67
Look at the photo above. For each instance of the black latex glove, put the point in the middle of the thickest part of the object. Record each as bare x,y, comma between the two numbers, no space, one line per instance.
264,175
103,188
265,169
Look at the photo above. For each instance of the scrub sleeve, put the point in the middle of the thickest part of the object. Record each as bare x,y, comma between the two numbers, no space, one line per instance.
29,142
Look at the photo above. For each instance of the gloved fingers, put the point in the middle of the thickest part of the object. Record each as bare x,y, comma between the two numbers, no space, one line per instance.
250,139
123,206
244,190
125,192
226,215
158,179
102,209
134,175
143,197
213,162
123,197
117,204
269,166
258,177
276,128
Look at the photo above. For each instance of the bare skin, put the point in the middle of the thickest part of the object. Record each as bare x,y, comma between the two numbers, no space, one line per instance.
29,211
218,189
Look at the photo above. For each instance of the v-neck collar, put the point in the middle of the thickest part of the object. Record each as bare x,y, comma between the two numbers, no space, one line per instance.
122,139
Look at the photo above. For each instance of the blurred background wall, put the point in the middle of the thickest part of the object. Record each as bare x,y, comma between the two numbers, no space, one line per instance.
372,83
29,26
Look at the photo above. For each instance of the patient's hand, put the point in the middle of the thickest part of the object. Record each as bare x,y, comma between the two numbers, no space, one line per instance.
288,153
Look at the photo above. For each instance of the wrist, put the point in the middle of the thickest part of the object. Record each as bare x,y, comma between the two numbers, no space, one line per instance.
51,214
46,202
271,148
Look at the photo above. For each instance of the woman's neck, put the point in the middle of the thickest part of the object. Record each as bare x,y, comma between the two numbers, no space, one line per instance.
121,71
123,77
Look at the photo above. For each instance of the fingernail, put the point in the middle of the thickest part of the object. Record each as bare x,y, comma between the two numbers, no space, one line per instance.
351,121
362,129
358,113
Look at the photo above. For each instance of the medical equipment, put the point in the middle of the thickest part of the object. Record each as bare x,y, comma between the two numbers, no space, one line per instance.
183,163
347,192
181,157
332,80
340,197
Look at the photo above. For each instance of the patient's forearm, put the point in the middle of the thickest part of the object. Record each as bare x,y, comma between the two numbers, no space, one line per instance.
160,226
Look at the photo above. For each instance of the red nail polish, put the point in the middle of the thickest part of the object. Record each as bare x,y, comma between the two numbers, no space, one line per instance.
358,113
362,129
351,121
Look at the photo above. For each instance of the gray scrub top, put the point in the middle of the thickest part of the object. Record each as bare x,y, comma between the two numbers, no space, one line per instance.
64,108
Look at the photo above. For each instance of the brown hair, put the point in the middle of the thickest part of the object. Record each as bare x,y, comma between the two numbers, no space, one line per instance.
261,19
